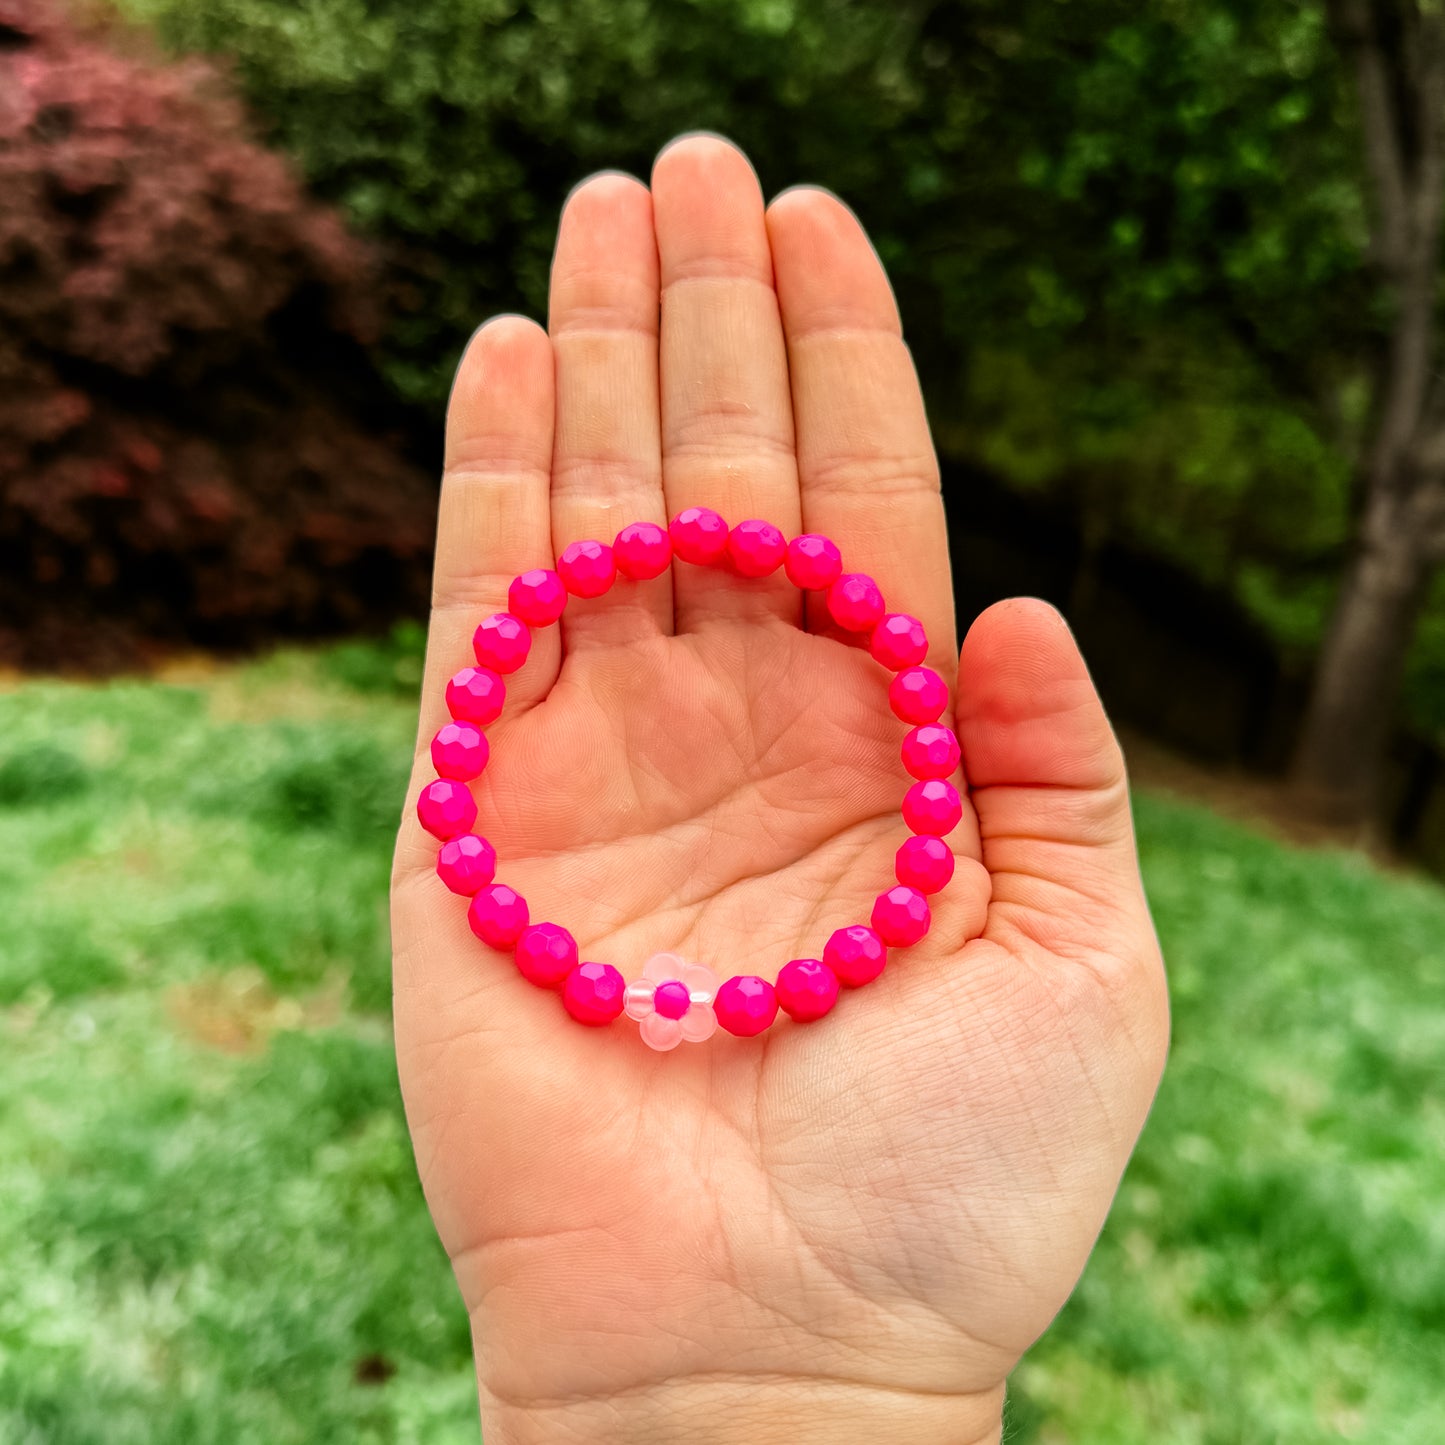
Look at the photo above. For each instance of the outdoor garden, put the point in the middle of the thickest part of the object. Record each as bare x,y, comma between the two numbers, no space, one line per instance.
1169,271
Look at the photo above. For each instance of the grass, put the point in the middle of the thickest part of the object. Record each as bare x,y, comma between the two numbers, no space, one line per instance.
210,1227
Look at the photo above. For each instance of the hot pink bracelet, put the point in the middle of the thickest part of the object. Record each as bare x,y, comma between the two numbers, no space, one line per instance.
675,1000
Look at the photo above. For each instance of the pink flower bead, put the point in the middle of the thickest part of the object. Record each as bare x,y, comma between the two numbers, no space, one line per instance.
672,1002
756,549
502,642
924,863
746,1005
467,864
918,695
813,562
807,988
899,641
446,808
855,954
901,916
460,751
476,695
546,953
699,535
498,915
855,603
587,569
933,807
593,993
642,550
537,597
930,752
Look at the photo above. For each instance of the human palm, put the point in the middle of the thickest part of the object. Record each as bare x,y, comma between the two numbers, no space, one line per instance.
859,1223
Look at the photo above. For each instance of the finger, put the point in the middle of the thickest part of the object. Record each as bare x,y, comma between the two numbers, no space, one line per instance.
493,523
866,466
607,458
727,417
1047,780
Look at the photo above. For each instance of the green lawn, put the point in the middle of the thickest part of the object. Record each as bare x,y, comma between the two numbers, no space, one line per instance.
210,1229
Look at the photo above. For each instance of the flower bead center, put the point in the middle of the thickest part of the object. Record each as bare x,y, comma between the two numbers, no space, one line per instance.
672,999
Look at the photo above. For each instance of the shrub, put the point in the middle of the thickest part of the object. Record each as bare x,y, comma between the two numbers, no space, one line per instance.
183,373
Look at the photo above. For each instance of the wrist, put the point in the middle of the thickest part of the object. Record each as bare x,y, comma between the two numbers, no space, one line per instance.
763,1410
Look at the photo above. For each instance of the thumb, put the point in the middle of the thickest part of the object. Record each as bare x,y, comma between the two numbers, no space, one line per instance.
1048,784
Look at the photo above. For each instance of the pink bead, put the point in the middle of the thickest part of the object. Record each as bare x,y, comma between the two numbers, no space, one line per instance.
498,915
930,752
467,864
671,999
502,642
933,807
537,597
918,695
476,694
756,549
587,569
855,954
901,916
924,863
855,603
446,808
642,550
594,993
899,641
459,751
546,953
813,562
807,989
746,1005
699,535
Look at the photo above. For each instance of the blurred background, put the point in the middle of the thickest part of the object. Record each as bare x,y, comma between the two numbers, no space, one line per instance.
1170,270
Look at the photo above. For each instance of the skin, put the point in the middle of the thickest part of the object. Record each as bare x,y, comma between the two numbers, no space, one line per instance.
846,1229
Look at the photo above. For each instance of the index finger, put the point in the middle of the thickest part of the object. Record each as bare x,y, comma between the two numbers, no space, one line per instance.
866,465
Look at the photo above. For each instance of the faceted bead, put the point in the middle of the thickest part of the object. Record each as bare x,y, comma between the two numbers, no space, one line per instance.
545,953
856,955
699,535
918,695
807,988
813,562
476,694
746,1005
933,807
587,569
930,752
899,641
901,916
467,864
594,993
924,863
459,750
498,915
642,550
537,597
502,642
446,808
756,549
855,603
672,999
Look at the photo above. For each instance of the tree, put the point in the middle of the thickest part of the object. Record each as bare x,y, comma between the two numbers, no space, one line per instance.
182,371
1398,48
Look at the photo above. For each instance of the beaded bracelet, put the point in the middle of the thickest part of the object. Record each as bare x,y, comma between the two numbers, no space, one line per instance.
673,999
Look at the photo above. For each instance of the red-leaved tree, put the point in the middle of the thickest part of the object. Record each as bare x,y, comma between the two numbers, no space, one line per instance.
188,444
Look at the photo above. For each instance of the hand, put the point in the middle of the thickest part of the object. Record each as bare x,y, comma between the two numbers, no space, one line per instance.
848,1229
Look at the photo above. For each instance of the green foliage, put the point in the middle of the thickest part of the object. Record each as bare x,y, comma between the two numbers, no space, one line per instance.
215,1234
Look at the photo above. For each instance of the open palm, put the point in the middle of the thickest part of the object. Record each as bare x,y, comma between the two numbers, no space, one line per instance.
849,1225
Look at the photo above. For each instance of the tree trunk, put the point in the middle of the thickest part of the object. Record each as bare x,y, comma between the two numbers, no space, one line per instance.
1340,762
